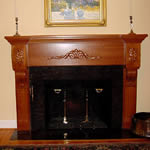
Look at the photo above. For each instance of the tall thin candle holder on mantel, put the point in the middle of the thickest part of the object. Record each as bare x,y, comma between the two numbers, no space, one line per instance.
131,24
17,33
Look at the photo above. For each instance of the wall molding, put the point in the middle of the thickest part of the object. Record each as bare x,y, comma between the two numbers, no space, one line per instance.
8,123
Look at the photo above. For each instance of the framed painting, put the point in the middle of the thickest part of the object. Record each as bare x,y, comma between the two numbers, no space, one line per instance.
75,12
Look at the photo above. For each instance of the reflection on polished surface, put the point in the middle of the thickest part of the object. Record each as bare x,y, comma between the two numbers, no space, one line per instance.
74,134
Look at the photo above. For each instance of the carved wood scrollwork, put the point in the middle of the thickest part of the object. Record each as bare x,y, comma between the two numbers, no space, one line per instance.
75,54
19,56
132,55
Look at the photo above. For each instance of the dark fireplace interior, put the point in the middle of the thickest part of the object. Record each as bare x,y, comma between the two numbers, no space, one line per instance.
76,101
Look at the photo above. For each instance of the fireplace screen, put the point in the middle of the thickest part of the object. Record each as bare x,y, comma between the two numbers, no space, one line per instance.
76,104
76,98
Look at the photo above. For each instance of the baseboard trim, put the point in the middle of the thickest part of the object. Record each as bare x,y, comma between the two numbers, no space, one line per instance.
8,124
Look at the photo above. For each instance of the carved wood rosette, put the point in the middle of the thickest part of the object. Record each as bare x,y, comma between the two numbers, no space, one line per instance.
19,57
75,54
132,55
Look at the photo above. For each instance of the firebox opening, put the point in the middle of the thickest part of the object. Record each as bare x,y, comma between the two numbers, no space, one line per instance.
78,104
80,98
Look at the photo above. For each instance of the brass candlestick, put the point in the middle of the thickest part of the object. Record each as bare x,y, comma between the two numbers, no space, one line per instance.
17,33
131,24
65,108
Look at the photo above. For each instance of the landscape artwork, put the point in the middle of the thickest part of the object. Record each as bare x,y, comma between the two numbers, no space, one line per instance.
74,12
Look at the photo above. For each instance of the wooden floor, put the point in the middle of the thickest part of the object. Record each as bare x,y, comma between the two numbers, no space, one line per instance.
5,135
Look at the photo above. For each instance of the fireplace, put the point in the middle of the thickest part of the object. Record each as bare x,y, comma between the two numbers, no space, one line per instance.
76,97
86,83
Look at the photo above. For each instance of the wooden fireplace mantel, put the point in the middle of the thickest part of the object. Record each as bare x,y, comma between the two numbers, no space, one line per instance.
75,50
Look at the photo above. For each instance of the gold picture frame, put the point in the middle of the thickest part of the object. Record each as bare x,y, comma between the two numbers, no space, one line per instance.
75,13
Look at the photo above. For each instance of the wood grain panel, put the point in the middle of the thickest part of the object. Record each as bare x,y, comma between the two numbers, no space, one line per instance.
99,53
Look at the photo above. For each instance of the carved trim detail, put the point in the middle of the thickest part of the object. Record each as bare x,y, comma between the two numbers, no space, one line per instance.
75,54
132,55
19,56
